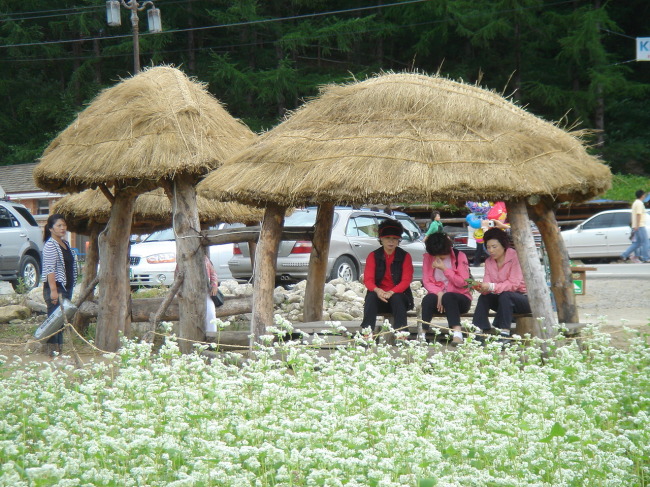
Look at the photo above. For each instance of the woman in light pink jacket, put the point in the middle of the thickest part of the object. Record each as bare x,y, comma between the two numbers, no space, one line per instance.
503,288
444,276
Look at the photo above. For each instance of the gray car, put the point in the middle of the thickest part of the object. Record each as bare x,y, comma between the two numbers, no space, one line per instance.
354,236
21,242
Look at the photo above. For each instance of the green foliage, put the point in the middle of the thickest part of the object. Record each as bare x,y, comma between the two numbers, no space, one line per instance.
562,60
624,186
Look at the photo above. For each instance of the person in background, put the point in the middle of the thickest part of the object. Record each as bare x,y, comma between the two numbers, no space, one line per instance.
503,288
435,226
213,288
59,271
444,275
639,231
387,276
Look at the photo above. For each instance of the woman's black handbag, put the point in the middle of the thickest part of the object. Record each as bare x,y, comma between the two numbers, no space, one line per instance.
217,299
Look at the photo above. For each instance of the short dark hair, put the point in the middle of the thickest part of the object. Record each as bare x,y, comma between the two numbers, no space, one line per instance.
390,226
434,214
639,193
438,244
51,220
499,235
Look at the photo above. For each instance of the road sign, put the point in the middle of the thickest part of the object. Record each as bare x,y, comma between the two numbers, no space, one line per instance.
643,48
578,286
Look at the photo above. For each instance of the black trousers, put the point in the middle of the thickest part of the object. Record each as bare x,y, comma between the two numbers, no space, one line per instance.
479,254
373,306
505,304
51,307
454,303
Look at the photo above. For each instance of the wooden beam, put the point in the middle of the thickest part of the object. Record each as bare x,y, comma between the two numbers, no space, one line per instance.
107,192
264,279
251,234
313,305
561,278
114,288
538,293
190,260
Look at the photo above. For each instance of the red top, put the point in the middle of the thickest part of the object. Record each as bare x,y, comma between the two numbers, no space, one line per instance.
387,281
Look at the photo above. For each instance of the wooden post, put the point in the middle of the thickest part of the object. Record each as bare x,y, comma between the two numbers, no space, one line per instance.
538,293
264,280
190,261
89,272
252,248
313,307
561,279
114,289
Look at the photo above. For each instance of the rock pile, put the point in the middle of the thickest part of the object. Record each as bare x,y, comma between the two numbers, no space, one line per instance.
342,301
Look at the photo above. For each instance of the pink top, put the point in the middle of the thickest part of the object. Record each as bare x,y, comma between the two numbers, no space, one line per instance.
509,277
455,275
212,274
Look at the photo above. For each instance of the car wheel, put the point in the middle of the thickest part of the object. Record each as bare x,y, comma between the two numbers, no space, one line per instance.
344,268
28,275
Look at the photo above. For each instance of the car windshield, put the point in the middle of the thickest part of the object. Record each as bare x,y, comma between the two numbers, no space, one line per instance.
161,236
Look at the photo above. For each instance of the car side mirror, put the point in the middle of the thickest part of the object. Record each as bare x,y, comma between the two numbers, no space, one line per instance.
579,228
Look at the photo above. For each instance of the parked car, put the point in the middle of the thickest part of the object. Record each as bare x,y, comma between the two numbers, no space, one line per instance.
21,242
153,261
604,235
354,236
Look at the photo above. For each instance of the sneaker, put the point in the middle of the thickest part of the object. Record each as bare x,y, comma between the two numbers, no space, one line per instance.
455,341
635,260
422,337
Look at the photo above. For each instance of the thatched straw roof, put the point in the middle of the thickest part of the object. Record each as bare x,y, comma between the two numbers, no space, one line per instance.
408,137
151,127
152,211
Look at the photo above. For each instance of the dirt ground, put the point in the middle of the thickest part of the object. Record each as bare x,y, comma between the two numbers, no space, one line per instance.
615,303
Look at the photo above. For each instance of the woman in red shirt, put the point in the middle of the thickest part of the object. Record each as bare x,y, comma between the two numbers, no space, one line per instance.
387,276
503,288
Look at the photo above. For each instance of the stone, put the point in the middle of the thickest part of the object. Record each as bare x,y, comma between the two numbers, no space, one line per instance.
340,289
415,285
300,286
294,298
341,316
278,298
14,312
350,295
329,289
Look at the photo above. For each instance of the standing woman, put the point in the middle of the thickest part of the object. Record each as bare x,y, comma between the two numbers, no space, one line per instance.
387,276
435,226
444,276
59,271
503,288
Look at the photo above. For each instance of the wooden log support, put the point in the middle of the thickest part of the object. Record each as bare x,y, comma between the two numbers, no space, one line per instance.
89,272
538,293
558,257
317,274
190,260
155,317
264,280
142,309
114,290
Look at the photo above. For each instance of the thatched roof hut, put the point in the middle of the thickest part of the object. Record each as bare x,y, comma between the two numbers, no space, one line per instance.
404,138
152,211
144,130
409,137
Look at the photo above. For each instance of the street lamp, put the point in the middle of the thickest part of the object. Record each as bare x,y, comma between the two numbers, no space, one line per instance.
153,19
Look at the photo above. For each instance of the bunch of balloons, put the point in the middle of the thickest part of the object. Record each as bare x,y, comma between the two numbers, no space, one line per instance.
481,213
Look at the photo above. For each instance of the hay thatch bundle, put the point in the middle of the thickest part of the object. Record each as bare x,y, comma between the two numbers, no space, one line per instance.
147,128
408,137
152,211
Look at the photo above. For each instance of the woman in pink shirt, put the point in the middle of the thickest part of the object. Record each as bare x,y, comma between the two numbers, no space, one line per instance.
503,288
444,275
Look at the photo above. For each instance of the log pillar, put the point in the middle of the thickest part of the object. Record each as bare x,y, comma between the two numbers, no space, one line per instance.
264,279
252,248
190,260
114,294
79,322
313,307
538,293
558,257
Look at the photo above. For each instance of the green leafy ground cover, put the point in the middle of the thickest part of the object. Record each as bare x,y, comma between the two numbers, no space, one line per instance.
366,415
